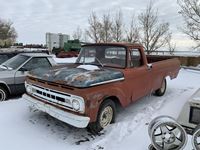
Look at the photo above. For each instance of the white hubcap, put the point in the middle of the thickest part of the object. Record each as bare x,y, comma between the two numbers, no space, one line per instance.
163,87
106,116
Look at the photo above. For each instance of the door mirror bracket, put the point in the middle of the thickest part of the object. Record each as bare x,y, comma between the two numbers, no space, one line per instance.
149,66
23,69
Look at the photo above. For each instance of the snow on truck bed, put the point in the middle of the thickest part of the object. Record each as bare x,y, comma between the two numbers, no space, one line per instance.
24,129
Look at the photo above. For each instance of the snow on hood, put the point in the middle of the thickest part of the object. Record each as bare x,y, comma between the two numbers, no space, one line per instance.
78,77
89,67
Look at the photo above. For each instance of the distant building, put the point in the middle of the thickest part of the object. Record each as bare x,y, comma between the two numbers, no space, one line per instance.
54,40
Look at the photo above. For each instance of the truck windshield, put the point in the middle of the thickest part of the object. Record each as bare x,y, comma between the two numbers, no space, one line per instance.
111,56
15,62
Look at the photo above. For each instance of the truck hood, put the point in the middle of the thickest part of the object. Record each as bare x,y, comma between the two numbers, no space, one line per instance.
78,76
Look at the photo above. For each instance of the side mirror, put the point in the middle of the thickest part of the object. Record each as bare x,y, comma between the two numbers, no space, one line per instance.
23,69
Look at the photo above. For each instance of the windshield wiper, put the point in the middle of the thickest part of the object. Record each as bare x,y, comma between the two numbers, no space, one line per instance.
99,62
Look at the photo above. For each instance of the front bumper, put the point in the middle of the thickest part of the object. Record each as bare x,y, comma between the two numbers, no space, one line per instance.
69,118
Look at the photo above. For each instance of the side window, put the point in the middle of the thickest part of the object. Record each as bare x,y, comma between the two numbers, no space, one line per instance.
115,56
136,59
37,63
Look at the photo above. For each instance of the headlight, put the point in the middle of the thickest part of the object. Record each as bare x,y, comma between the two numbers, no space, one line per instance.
28,88
78,103
75,104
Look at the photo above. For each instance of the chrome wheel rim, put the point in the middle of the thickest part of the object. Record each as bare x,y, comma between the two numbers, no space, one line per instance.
2,95
106,116
167,134
196,140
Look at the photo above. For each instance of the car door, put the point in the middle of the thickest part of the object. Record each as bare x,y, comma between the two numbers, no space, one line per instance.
33,63
138,75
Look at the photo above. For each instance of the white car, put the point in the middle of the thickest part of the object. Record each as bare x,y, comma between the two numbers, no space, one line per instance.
189,117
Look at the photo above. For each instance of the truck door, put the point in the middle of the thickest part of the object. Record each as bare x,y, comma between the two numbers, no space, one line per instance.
138,75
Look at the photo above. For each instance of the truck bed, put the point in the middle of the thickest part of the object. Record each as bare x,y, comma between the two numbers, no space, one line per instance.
156,58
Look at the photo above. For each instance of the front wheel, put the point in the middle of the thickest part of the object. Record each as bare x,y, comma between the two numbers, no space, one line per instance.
161,91
106,115
3,94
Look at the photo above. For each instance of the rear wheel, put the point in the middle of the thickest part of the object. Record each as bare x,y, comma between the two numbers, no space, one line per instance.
3,94
161,91
106,115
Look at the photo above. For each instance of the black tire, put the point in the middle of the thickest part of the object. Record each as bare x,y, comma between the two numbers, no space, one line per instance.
97,126
161,91
3,94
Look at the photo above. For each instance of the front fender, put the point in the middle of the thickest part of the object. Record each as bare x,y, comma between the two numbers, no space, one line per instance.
96,98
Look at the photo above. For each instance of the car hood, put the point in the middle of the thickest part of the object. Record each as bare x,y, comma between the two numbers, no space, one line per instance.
80,76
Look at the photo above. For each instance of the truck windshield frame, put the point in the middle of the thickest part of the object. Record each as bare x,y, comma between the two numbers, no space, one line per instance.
105,56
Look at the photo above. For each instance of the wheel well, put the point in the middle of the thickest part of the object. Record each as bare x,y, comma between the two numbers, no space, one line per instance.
115,100
5,87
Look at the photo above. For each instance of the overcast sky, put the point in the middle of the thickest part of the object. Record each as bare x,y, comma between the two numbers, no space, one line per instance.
33,18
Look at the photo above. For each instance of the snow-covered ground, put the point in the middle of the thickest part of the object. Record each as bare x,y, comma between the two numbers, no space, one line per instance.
24,129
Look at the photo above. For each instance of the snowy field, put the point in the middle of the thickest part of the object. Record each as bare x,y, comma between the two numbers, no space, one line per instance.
24,129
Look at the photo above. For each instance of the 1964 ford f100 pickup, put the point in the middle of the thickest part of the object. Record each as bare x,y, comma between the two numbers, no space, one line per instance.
85,94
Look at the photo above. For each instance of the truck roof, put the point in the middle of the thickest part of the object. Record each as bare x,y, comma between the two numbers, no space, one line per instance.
35,54
115,44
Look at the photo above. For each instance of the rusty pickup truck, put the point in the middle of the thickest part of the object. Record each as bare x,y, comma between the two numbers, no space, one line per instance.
87,93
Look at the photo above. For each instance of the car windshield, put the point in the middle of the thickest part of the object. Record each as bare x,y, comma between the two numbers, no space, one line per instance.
15,62
111,56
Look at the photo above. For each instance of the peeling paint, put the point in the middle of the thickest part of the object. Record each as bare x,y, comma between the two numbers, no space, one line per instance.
77,77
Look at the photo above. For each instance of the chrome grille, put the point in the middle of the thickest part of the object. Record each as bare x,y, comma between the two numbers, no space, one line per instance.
52,96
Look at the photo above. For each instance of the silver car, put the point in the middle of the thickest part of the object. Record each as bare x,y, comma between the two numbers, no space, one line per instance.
14,70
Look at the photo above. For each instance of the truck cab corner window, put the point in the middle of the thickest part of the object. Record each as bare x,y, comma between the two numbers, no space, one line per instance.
136,58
